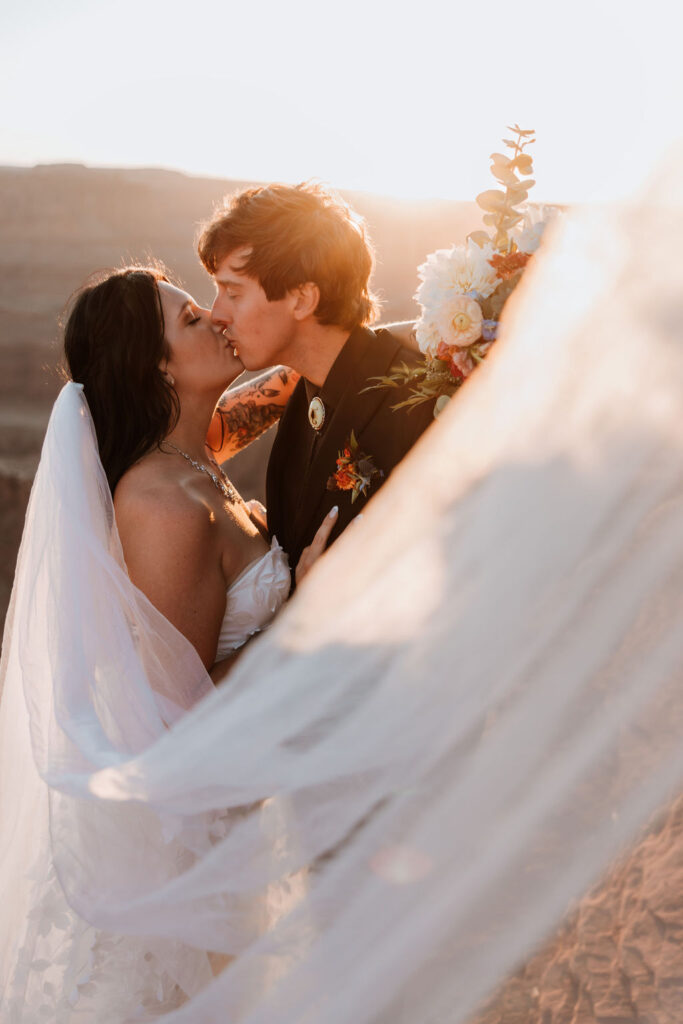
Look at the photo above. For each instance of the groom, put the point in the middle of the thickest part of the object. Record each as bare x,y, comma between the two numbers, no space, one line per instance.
291,265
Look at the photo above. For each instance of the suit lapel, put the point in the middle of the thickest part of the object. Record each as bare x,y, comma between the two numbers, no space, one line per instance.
373,354
287,467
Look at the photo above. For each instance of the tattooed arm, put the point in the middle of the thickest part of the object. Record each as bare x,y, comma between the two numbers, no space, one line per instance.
245,412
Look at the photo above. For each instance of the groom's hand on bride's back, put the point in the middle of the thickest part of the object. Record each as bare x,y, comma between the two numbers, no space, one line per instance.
317,546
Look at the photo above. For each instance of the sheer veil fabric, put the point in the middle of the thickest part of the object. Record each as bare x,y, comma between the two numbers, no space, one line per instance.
468,708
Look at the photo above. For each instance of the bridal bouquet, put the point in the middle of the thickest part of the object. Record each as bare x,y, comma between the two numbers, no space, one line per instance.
464,289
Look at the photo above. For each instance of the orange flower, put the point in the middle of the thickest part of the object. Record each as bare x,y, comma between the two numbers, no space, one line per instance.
507,264
344,480
355,470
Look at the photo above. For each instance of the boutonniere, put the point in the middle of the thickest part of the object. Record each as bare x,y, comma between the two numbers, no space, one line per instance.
355,470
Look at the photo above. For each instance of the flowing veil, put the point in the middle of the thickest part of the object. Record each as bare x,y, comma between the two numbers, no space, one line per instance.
465,712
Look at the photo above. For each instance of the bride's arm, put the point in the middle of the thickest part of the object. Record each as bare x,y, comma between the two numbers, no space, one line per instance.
247,411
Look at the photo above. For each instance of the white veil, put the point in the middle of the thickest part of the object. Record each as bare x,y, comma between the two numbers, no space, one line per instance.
463,714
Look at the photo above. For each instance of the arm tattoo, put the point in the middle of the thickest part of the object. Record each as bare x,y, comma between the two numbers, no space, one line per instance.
246,417
244,421
265,386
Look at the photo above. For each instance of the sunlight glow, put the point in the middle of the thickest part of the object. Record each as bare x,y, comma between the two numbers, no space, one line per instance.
370,96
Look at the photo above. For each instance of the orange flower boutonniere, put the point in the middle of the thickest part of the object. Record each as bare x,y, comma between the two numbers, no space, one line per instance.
355,470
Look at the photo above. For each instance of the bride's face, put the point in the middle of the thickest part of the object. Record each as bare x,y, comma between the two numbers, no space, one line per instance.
201,360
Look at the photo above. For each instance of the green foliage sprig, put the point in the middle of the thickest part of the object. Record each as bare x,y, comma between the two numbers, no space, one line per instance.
427,381
500,206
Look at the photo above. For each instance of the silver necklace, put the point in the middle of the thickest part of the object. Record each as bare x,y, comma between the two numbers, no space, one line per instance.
222,482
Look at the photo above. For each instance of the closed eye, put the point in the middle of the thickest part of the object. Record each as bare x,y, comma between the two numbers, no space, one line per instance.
227,291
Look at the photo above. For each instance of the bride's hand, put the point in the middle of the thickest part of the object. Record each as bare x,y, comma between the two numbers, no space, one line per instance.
258,515
315,549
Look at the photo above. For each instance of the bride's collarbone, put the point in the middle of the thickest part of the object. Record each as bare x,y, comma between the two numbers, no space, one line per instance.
156,485
224,507
229,514
237,536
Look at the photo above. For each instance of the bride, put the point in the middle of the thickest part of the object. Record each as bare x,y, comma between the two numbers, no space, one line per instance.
154,575
153,366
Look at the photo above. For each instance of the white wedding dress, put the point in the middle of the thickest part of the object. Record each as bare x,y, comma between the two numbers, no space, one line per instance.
253,599
469,706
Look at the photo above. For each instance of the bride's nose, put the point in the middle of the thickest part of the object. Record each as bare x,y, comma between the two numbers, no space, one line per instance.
205,314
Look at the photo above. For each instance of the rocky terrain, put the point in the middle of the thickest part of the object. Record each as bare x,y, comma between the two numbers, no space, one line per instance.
618,958
59,223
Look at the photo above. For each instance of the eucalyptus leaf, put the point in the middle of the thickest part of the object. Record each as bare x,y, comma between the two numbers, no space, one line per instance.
510,220
523,163
504,175
480,238
491,200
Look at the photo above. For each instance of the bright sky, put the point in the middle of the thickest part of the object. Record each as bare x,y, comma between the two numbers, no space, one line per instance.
370,94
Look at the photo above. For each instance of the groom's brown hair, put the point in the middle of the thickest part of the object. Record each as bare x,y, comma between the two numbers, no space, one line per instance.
296,234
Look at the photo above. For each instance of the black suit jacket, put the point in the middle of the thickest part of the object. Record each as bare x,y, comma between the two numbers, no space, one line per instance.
302,460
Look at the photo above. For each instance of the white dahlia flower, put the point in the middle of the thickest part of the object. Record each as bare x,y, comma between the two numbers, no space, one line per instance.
428,337
456,271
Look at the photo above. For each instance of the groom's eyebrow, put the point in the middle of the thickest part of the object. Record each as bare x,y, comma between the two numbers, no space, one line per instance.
226,279
236,264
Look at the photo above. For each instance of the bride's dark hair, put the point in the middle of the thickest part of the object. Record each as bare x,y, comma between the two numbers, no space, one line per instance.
114,341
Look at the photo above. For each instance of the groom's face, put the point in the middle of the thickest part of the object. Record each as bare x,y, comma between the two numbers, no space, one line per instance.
259,330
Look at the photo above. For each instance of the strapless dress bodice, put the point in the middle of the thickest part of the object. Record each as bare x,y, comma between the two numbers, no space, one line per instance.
253,599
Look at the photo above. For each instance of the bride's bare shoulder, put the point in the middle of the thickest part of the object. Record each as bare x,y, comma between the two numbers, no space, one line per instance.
173,549
150,480
152,495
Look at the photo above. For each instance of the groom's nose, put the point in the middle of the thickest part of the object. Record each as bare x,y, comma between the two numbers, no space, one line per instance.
219,312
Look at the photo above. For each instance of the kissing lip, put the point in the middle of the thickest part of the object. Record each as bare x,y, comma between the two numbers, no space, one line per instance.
230,342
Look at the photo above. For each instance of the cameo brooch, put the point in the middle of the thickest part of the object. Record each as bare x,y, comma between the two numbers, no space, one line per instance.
316,413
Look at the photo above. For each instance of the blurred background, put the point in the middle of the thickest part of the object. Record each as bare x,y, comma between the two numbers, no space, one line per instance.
122,125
